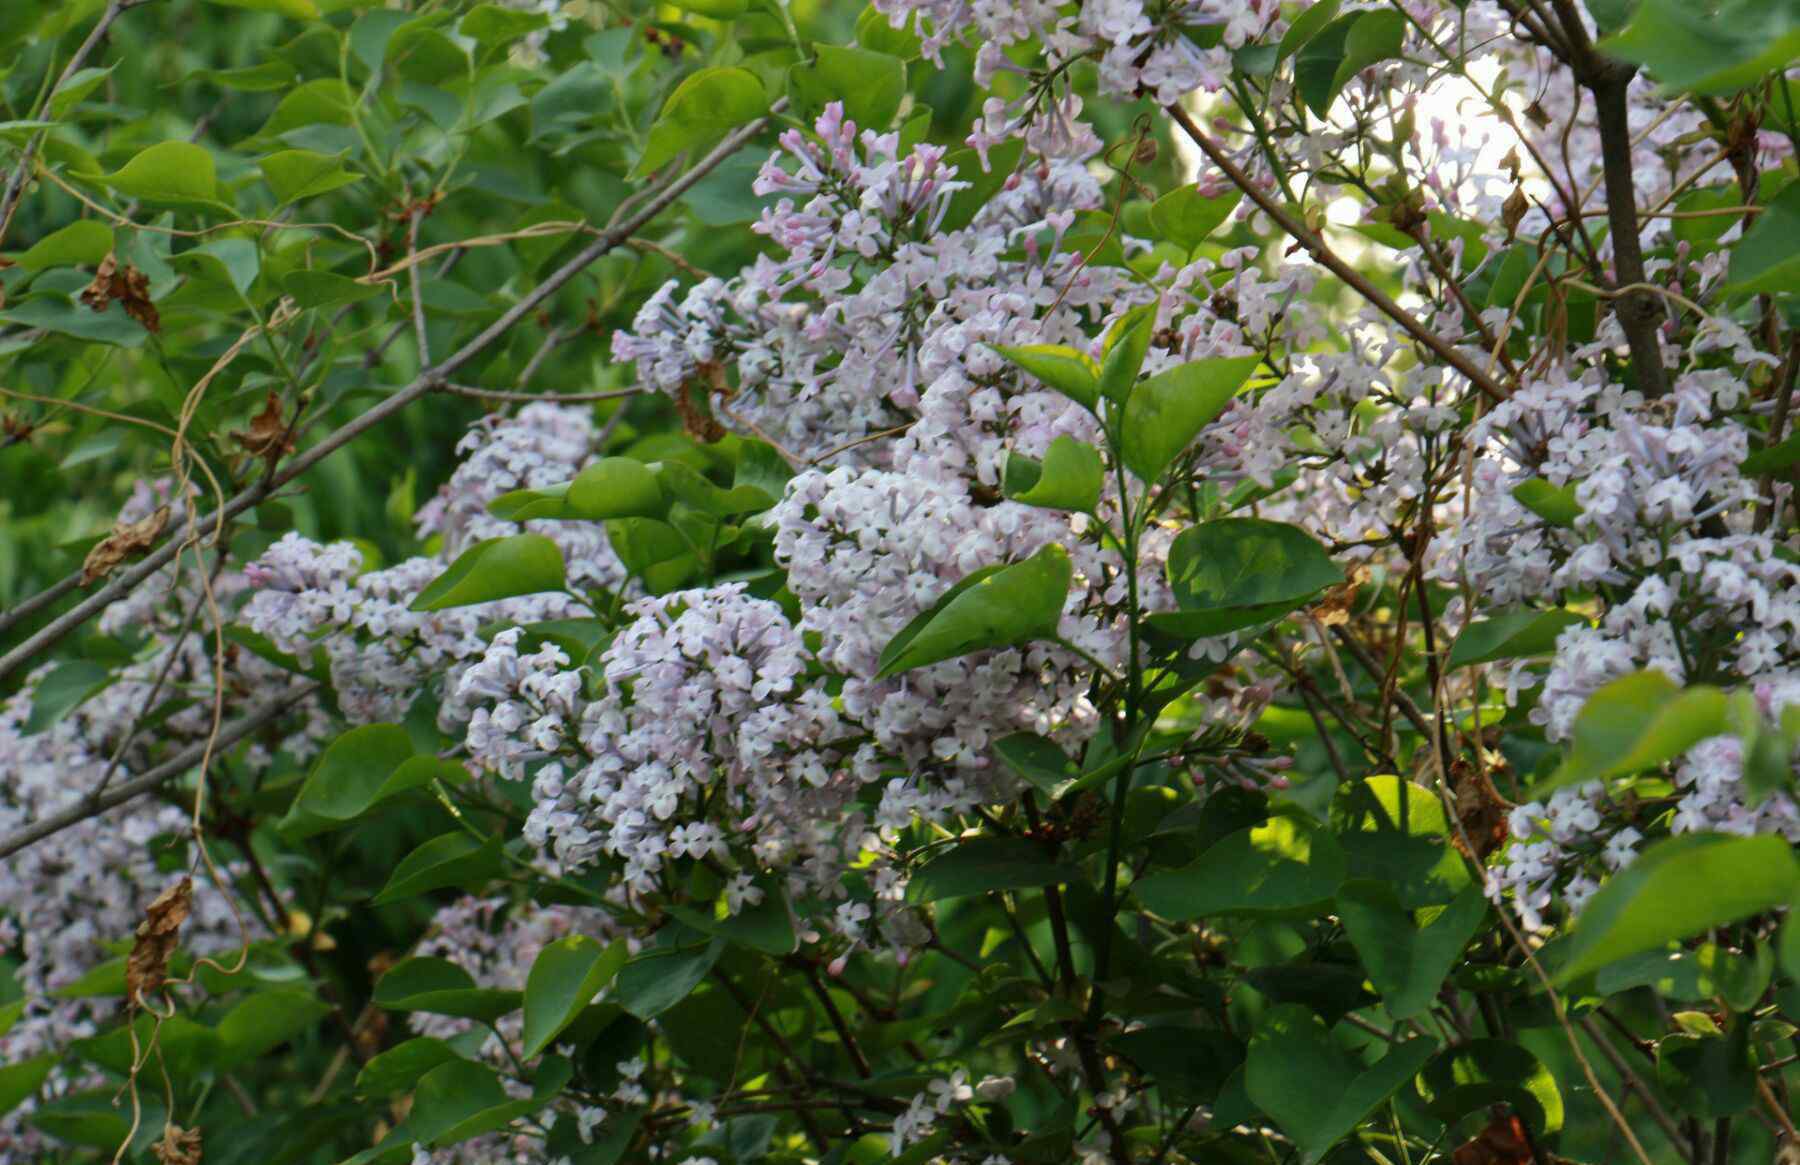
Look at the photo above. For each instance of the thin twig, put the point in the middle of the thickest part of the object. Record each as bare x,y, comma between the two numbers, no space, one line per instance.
101,801
428,380
1335,263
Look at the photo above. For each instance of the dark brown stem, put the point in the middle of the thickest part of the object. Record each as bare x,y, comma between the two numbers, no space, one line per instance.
1335,263
1640,313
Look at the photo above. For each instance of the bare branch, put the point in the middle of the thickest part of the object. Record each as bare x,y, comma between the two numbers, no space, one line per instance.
103,799
1334,263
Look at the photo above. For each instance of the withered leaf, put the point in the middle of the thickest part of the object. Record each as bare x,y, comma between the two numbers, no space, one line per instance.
177,1146
1503,1142
127,538
1334,609
268,435
1480,808
158,935
129,286
1513,211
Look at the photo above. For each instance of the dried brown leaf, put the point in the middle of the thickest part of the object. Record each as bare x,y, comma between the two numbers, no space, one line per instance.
1503,1142
268,435
1513,211
158,935
129,286
178,1146
1480,808
127,538
1334,609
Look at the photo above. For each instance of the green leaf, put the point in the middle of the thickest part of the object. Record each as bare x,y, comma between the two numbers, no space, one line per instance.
297,9
1767,259
1190,1064
62,691
325,101
297,174
1069,478
876,33
1342,49
168,174
500,568
658,979
1038,761
1774,459
1709,1076
441,987
398,1069
766,926
1286,864
1188,217
264,1021
1165,413
1126,346
1637,722
311,288
717,9
83,242
452,1098
1511,636
704,108
1008,607
1470,1077
1675,889
347,778
1407,962
1713,49
1306,26
1232,573
982,865
1067,370
1316,1091
565,978
1555,504
22,1078
76,89
496,25
1396,832
617,487
454,859
870,84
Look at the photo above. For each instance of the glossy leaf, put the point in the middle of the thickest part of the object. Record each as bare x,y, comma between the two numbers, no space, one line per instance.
1407,960
1167,411
1636,722
565,978
1286,864
1470,1077
500,568
1067,370
1675,889
1002,608
1514,636
1069,477
703,108
1232,573
1186,216
442,987
1315,1090
452,859
983,865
